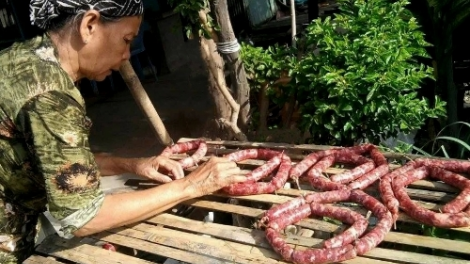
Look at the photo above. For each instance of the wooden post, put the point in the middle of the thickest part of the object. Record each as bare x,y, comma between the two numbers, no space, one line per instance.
142,99
293,23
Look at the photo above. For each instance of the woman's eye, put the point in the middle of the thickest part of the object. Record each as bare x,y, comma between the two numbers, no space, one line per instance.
128,41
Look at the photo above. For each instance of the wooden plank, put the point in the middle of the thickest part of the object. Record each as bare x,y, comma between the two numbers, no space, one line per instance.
157,249
386,254
216,248
256,237
75,251
402,238
37,259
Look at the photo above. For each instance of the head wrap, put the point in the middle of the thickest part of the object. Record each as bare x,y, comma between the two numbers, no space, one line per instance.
43,11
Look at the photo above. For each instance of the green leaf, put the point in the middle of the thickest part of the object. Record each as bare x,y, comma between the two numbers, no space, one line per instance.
403,126
348,126
346,107
456,140
370,94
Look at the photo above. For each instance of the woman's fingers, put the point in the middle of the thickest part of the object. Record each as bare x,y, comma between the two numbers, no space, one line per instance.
239,178
172,166
159,177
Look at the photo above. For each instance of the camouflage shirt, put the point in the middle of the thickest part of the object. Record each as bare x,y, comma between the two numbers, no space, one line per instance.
45,158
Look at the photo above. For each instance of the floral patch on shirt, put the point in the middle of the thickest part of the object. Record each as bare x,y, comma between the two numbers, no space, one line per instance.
77,178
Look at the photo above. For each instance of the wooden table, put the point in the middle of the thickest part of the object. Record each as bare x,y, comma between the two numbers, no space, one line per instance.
194,241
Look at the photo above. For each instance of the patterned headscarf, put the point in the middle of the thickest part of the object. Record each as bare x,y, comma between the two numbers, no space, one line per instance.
43,11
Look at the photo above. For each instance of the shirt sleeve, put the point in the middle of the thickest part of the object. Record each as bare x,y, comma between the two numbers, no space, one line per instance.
56,130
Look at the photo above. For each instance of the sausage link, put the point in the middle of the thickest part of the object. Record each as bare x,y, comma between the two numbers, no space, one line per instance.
370,177
386,191
250,188
378,157
451,165
184,147
459,203
348,156
253,153
318,181
375,236
344,155
351,175
290,217
462,200
423,215
278,244
357,221
301,167
323,255
328,196
449,177
263,170
279,209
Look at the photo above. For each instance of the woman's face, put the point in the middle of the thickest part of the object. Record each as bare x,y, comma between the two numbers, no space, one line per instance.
105,45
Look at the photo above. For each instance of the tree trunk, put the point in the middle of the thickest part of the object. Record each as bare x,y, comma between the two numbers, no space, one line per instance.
214,129
445,72
233,61
215,66
263,108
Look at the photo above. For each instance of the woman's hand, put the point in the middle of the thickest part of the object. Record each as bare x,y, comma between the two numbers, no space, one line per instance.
158,168
214,175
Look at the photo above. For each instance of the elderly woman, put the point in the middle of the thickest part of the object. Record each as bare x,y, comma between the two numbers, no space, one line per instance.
45,158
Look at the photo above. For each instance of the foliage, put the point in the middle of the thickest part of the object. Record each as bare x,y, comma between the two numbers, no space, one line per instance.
189,10
360,82
267,67
440,146
447,146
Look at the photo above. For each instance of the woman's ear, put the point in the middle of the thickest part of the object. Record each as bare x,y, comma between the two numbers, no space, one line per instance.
89,25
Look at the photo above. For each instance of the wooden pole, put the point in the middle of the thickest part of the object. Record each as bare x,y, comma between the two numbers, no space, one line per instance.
293,23
142,99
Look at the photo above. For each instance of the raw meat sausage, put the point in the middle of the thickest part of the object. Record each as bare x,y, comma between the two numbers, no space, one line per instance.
443,220
340,247
276,159
357,221
372,238
184,147
317,180
351,175
386,191
450,165
370,177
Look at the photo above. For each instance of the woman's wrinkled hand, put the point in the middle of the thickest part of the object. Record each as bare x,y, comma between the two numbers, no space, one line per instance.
158,168
214,175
